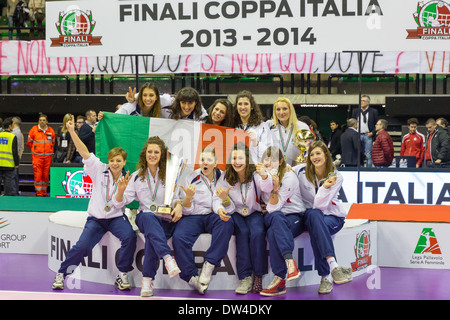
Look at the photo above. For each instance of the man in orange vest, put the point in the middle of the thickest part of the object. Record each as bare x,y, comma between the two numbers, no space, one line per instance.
41,140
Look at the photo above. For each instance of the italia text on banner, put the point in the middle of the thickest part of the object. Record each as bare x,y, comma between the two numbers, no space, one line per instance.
184,138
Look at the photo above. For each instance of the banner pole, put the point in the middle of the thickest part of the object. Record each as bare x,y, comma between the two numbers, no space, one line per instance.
360,71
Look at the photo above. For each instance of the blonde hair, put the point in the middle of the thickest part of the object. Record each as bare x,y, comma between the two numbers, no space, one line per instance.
117,151
293,121
67,117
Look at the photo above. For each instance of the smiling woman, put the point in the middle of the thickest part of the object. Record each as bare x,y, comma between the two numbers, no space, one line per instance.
147,185
188,105
104,214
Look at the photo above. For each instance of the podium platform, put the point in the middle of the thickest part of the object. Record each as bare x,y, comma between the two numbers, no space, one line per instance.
355,245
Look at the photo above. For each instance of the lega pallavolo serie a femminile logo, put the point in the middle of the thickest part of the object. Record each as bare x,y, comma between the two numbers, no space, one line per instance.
75,28
432,19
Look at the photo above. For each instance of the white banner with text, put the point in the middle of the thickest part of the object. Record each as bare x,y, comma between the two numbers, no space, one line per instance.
30,58
186,27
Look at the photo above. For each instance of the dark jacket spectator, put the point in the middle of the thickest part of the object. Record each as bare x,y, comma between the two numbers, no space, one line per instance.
383,147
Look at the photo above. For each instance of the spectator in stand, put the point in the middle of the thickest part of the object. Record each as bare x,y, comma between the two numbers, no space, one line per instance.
367,124
335,139
10,8
383,147
443,123
413,143
9,160
37,14
62,141
312,126
349,145
72,154
20,17
437,150
80,121
16,122
87,130
41,140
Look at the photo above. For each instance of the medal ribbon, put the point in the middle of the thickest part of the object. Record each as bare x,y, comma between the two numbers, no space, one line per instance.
244,199
107,196
150,187
207,184
282,140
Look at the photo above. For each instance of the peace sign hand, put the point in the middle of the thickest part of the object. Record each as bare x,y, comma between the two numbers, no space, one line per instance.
123,182
130,95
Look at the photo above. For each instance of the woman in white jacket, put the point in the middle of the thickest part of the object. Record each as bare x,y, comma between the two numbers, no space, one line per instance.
248,116
320,183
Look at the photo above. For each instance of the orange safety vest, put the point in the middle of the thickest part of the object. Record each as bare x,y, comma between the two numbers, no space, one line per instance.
41,143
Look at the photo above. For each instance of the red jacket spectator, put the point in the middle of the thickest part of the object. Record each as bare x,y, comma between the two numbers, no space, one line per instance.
413,144
383,149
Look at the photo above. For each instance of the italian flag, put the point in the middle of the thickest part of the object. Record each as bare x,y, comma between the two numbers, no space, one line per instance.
184,138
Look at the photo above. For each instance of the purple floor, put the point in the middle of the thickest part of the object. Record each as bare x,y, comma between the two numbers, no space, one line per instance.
30,273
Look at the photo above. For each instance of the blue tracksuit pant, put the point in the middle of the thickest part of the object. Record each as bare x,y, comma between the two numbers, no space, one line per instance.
321,227
187,232
93,232
280,231
156,232
251,251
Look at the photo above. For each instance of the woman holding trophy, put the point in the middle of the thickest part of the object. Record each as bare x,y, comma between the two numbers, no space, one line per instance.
237,198
320,183
284,126
283,220
197,194
147,185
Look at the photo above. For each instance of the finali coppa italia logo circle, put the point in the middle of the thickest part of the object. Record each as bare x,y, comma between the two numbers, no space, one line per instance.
432,19
77,185
75,27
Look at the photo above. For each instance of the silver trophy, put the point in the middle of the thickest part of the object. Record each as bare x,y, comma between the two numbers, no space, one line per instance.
174,168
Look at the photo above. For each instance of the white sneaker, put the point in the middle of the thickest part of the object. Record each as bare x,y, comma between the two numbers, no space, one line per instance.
147,287
58,283
122,281
172,267
195,284
245,285
206,273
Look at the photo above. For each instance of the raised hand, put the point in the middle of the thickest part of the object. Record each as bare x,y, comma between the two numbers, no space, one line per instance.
222,193
70,125
123,182
189,191
331,181
130,95
261,170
